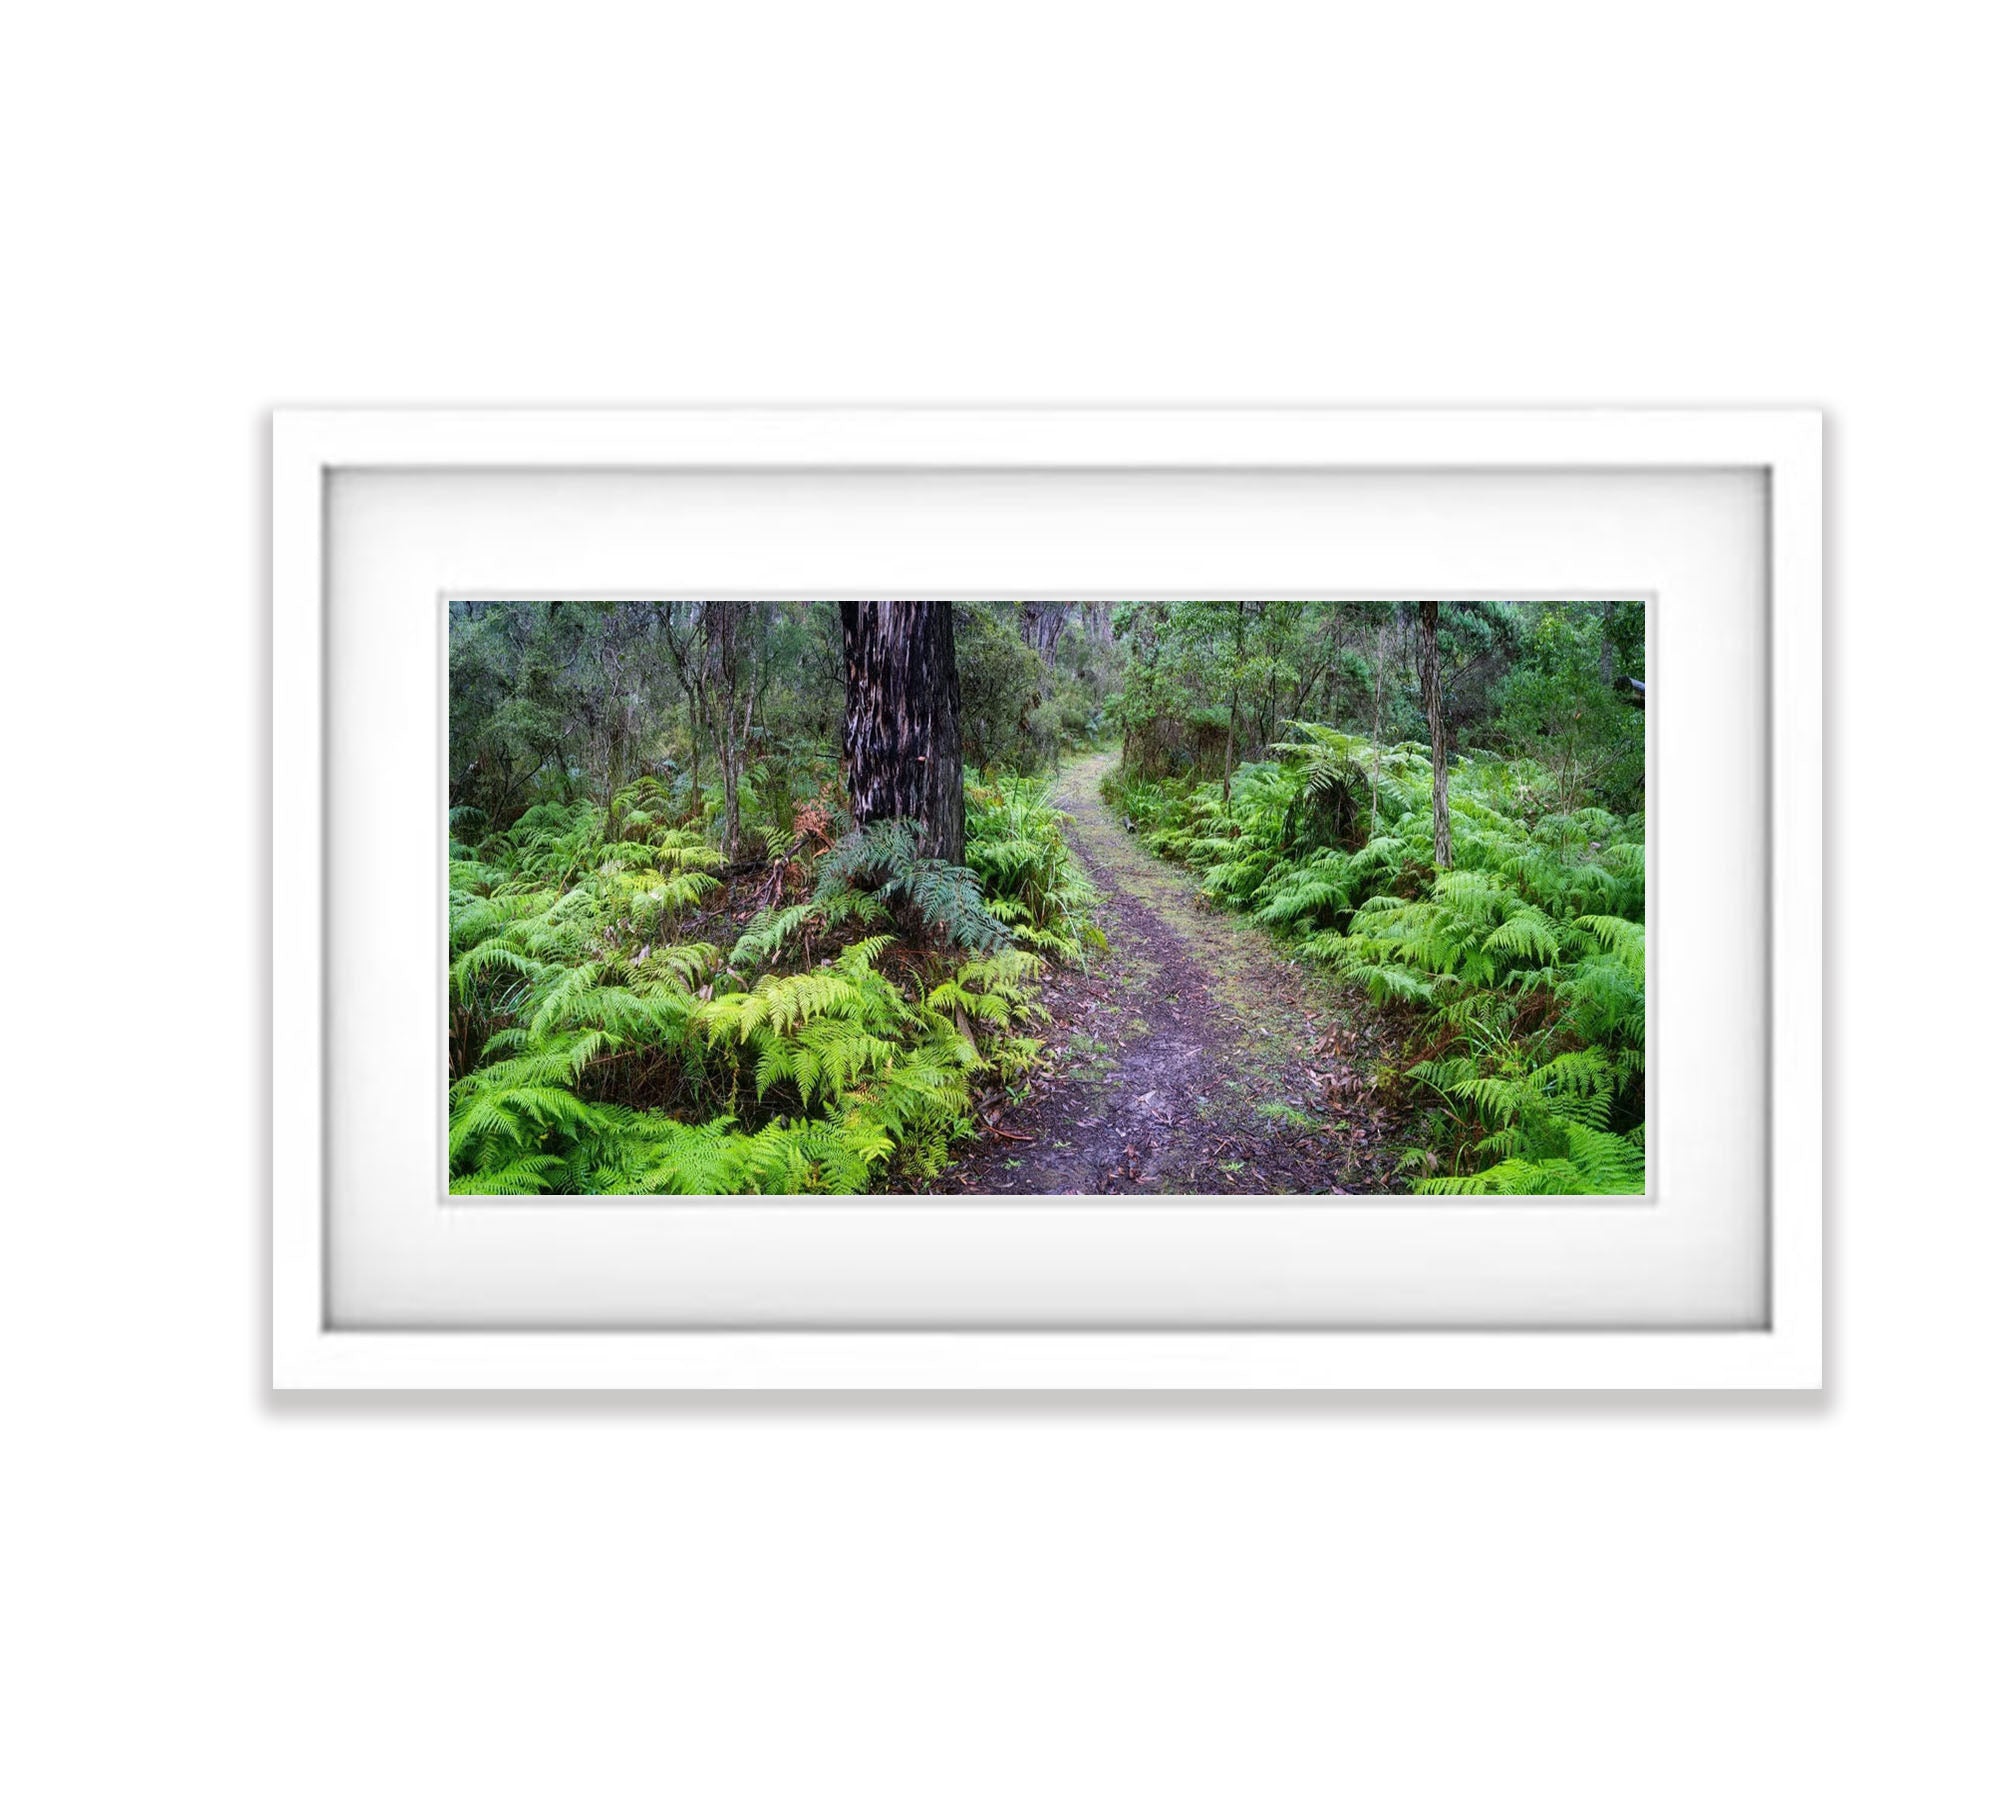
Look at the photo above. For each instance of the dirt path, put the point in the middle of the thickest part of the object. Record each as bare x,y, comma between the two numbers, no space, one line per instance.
1192,1057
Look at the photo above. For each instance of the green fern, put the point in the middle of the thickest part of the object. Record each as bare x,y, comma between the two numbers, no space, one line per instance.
944,897
1519,974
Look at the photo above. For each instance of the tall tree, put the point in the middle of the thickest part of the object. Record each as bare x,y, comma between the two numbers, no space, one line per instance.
681,632
901,740
727,628
1385,619
1235,704
1041,623
1433,691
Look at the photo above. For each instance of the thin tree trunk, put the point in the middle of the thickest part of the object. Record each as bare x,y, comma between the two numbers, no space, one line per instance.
1375,778
1333,678
1235,705
690,663
1607,655
725,625
733,773
614,777
1042,624
743,763
1433,692
695,728
901,740
721,625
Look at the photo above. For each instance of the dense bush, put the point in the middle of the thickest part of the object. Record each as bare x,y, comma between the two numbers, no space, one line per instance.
1030,877
676,968
1021,709
1522,969
613,1030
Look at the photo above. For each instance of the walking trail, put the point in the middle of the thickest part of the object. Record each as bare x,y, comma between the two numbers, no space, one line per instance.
1191,1057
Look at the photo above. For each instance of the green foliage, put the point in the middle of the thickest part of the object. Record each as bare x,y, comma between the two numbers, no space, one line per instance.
601,1043
1556,705
1019,708
942,898
1205,674
1522,969
632,1010
1000,684
1032,883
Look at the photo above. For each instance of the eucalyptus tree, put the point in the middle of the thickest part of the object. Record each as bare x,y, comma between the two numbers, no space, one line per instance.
900,741
1433,691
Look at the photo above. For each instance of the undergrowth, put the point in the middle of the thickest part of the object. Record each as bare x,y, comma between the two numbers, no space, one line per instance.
1521,971
617,1027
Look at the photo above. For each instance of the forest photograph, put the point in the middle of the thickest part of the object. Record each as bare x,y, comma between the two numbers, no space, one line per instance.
1036,898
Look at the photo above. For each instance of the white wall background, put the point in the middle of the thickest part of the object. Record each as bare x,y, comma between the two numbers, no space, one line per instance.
213,209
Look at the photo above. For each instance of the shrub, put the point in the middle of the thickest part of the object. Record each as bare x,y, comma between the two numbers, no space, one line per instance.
1523,968
603,1040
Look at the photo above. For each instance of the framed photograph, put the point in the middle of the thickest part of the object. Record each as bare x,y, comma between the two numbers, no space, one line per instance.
1046,900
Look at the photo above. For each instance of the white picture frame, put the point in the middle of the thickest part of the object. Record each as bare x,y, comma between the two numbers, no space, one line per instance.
312,1347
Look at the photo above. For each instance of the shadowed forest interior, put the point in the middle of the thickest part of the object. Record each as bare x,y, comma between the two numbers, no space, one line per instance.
1047,897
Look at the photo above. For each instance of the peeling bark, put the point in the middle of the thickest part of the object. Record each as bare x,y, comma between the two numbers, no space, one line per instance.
901,740
1042,624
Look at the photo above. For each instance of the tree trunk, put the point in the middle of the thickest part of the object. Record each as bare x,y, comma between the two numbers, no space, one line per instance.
614,777
721,628
901,739
1042,624
1433,691
1228,757
1607,655
694,753
1235,705
1333,679
733,748
1375,775
689,656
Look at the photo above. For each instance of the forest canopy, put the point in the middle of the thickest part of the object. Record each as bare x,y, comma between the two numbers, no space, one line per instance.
757,897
